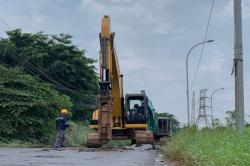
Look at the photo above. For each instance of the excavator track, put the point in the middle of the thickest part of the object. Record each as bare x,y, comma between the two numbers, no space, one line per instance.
104,132
93,140
144,137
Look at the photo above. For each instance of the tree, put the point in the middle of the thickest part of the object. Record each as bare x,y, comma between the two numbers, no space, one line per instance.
27,106
54,59
230,118
216,123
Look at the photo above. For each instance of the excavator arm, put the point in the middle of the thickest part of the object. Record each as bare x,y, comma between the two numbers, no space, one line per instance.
109,68
110,101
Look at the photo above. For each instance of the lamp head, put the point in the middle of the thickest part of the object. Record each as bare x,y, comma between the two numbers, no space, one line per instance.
209,41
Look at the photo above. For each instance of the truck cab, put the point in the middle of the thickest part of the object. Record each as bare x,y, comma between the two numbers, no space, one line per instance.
164,128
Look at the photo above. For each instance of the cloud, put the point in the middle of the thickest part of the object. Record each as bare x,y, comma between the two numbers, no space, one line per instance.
216,62
152,40
246,10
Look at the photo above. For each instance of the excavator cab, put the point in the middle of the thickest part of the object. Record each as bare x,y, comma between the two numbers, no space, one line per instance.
135,110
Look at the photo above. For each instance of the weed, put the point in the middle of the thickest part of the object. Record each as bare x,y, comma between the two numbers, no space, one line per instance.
213,147
76,134
19,143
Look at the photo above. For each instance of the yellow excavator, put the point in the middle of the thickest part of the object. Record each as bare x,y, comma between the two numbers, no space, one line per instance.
117,117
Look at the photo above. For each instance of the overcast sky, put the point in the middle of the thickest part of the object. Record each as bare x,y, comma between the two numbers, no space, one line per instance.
152,40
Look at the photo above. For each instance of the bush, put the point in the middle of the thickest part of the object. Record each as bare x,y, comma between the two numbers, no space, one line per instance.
28,107
76,134
213,147
55,60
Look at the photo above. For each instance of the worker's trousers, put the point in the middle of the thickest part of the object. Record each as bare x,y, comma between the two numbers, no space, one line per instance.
60,137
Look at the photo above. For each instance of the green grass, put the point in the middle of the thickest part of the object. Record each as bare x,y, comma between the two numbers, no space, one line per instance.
209,147
76,134
22,144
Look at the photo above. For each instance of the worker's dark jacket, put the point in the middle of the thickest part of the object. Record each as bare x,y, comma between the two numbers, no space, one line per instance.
61,123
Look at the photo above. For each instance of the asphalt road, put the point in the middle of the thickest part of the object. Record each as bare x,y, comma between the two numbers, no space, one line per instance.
128,156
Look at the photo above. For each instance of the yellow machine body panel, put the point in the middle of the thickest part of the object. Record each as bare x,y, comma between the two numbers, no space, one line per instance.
136,126
94,118
93,126
95,115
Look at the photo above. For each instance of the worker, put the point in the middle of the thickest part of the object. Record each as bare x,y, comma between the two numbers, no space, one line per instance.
135,113
141,113
61,126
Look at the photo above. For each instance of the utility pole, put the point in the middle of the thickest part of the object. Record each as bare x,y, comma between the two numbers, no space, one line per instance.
203,108
193,109
238,67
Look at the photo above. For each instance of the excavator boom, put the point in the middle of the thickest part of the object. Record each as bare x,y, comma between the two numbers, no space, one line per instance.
109,67
109,99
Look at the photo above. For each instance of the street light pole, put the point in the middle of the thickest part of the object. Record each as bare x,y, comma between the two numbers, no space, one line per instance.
211,98
188,112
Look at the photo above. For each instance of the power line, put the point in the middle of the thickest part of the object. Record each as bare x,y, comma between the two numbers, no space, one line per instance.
33,70
222,109
226,103
58,84
219,103
30,66
27,64
5,23
54,75
36,69
203,45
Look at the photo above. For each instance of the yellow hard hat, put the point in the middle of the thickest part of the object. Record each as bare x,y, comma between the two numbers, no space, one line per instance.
64,111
